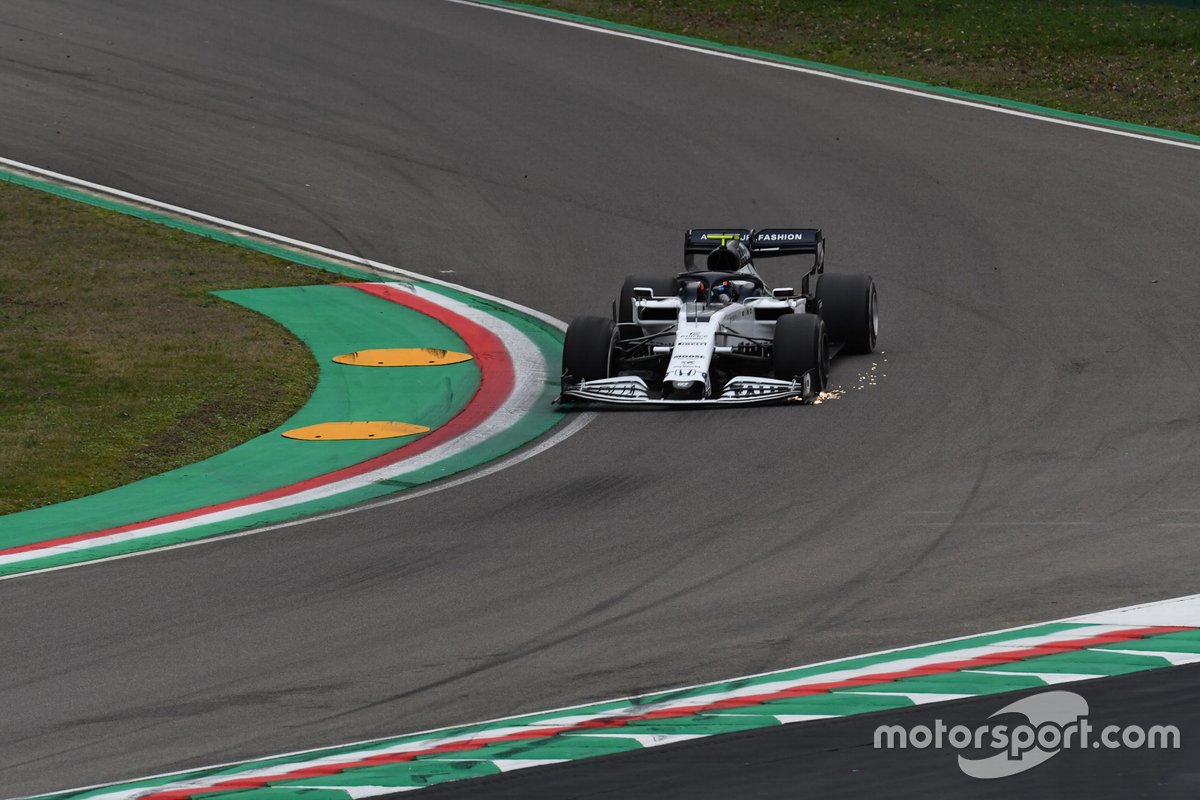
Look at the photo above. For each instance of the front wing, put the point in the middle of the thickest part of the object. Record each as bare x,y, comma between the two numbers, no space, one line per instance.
632,390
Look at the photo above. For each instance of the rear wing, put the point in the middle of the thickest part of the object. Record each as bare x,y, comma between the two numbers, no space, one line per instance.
766,243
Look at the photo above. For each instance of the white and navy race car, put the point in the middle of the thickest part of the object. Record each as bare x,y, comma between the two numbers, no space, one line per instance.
718,335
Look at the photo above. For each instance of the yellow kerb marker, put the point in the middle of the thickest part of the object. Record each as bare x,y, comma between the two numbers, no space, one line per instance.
344,431
402,357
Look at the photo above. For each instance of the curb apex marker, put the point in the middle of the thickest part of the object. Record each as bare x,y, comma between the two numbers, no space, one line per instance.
349,431
402,357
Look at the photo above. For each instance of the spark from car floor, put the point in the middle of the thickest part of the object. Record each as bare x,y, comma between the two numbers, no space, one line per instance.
828,394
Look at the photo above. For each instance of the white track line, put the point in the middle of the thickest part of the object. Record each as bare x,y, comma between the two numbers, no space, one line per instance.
766,62
570,429
258,233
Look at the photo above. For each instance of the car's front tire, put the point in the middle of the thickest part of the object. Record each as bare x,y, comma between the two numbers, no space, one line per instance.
588,349
850,308
800,346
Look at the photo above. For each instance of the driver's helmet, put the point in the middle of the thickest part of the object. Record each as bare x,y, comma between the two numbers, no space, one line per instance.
743,288
694,291
721,293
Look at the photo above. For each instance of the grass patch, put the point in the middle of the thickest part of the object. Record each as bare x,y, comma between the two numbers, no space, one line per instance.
1137,63
115,361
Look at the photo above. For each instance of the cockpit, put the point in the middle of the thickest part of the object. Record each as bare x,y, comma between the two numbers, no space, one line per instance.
719,288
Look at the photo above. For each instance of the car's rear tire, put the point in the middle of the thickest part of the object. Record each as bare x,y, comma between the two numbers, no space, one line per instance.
662,287
588,349
800,346
850,308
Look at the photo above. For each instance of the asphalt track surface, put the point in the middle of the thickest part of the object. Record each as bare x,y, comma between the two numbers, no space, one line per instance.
1028,449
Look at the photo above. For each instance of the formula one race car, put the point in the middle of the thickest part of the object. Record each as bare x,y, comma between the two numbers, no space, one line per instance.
718,335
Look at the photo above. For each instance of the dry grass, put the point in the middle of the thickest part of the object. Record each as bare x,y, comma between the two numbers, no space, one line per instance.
115,362
1137,63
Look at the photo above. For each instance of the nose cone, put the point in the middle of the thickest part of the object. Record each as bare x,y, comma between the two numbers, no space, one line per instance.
687,390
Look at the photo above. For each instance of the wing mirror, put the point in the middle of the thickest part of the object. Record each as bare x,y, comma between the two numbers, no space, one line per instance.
781,292
643,292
